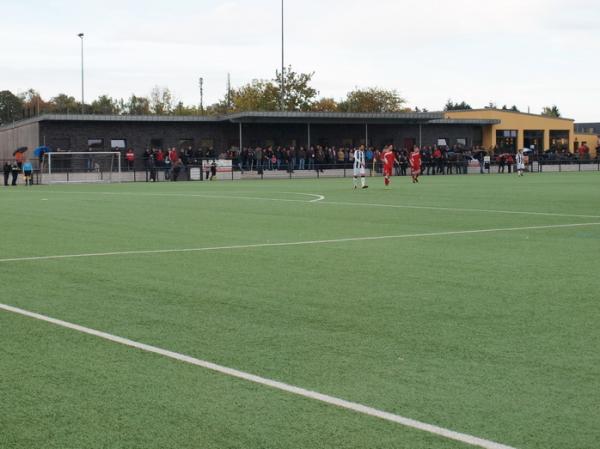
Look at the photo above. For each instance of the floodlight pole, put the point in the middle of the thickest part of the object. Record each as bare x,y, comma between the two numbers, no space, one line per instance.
80,35
202,96
282,58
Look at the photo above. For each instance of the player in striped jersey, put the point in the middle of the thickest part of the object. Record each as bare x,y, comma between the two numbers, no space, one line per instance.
520,159
359,167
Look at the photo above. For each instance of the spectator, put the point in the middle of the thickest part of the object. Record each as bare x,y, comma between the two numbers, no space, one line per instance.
176,169
7,169
14,168
301,158
130,158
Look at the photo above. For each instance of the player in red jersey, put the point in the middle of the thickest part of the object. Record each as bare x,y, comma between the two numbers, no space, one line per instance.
415,164
388,157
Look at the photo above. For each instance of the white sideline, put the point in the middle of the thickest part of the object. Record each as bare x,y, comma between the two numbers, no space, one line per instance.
460,209
407,422
301,243
322,200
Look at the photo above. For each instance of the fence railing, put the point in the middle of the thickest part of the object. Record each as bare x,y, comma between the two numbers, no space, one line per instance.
312,171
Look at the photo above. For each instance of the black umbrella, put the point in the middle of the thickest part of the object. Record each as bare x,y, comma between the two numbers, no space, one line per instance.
20,150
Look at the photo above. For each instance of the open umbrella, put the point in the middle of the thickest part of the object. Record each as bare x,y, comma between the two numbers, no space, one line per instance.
40,151
20,150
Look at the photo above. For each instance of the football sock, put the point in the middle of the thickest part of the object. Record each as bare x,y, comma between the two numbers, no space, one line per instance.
363,181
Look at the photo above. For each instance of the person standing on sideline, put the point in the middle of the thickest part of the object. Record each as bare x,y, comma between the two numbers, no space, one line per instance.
14,169
359,168
28,173
7,169
130,157
388,157
520,162
415,164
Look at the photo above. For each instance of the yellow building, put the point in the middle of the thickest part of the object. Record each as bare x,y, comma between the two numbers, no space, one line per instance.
519,130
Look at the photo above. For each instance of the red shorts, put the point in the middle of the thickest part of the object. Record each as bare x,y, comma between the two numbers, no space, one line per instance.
416,170
387,170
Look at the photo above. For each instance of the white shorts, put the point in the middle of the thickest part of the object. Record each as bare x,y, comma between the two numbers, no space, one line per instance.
520,166
359,171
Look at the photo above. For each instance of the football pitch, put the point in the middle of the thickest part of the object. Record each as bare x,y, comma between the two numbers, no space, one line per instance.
460,312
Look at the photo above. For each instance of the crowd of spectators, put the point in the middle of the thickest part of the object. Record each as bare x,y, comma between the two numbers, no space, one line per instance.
436,160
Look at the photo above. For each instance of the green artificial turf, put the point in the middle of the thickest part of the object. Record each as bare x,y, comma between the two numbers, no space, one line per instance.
492,334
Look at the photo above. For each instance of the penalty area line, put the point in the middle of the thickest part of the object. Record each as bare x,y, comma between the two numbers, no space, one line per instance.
298,391
301,243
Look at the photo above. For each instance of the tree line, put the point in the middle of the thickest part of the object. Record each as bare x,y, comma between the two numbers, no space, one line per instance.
257,95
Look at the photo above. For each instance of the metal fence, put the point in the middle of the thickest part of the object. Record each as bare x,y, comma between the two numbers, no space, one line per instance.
316,171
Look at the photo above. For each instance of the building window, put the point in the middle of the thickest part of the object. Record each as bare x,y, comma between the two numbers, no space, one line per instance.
462,142
95,144
506,140
118,144
559,140
442,142
533,139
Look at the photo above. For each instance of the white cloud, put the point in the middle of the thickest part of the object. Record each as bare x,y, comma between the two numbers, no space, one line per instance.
514,52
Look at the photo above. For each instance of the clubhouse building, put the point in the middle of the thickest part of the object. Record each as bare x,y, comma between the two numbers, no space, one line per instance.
490,129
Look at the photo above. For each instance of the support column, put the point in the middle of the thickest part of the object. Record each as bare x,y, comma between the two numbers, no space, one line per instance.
241,137
308,142
366,135
420,135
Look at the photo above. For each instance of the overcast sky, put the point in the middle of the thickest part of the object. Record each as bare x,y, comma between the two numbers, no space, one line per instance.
530,53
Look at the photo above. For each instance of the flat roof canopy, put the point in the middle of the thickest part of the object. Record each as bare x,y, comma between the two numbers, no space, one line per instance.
400,118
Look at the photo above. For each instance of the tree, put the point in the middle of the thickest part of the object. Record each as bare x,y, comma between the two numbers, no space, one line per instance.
136,106
372,99
65,104
181,109
265,95
105,105
491,105
298,94
161,101
259,95
33,104
551,111
11,107
325,105
451,106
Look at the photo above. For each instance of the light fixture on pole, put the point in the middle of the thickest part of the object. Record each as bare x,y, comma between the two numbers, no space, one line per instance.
80,35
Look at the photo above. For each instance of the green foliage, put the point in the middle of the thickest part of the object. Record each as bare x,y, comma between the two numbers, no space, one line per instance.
105,105
65,104
373,99
259,95
451,106
551,111
137,106
11,107
161,101
325,105
298,93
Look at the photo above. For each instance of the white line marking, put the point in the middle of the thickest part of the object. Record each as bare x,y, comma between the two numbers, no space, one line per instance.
453,209
316,200
341,403
301,243
193,195
338,203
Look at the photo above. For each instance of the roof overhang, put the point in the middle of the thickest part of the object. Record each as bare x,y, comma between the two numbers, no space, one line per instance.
400,118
